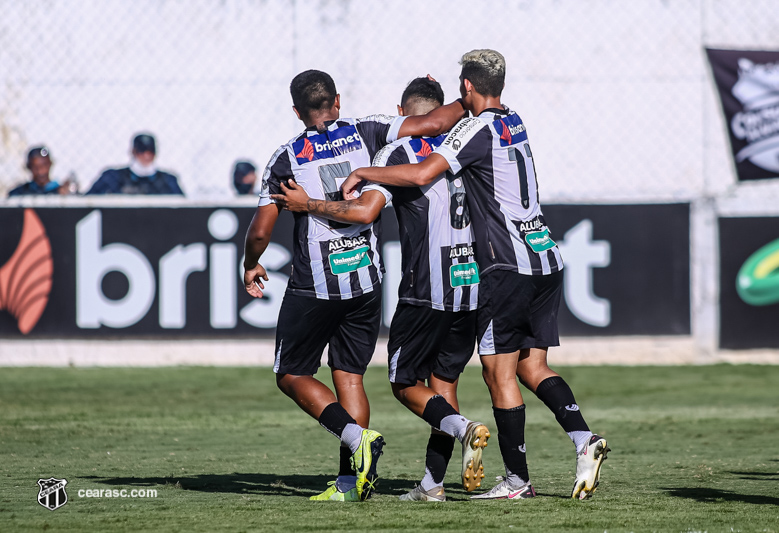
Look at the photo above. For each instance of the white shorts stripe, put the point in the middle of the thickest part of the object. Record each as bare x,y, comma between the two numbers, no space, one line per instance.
487,343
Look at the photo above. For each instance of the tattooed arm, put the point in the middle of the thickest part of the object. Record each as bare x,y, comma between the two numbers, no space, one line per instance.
363,210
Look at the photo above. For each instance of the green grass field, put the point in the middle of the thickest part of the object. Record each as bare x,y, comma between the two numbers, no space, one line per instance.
694,449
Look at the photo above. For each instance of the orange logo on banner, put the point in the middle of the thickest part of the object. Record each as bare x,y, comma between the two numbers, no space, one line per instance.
25,280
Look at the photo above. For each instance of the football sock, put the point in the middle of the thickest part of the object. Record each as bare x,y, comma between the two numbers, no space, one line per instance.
442,416
439,452
455,425
511,439
345,463
558,397
351,436
337,421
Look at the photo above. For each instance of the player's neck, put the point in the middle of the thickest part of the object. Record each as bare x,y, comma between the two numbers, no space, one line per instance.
480,103
320,120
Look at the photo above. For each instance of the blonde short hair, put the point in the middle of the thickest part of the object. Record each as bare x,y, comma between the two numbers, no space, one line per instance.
486,70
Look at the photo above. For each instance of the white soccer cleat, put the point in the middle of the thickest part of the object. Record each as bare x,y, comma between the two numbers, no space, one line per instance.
418,494
504,491
588,465
476,435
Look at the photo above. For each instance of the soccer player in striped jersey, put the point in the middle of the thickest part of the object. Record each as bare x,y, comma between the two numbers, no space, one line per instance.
334,294
433,330
521,270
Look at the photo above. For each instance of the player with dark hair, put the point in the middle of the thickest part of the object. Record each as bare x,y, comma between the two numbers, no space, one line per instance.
334,294
521,269
434,327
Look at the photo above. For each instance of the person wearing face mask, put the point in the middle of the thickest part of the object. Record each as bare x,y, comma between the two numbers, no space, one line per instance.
244,177
141,177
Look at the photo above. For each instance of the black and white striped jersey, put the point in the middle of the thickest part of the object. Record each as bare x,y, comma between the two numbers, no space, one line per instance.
331,260
493,154
438,260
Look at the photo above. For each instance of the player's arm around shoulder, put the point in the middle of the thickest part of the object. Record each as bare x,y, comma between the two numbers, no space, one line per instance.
362,210
408,175
434,123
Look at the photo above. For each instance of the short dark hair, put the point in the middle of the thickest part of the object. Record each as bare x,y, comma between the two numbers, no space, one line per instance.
424,89
486,70
37,151
312,90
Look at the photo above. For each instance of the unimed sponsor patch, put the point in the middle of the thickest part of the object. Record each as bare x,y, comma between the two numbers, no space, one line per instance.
539,240
349,261
464,274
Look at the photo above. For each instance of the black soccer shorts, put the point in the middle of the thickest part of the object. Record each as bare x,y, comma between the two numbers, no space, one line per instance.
307,324
425,341
518,311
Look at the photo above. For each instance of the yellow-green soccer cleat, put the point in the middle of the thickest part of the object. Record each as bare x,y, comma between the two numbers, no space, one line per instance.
364,462
332,494
476,435
588,465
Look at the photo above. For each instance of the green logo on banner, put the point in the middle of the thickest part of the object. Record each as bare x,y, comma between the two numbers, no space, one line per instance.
349,261
540,240
464,274
757,282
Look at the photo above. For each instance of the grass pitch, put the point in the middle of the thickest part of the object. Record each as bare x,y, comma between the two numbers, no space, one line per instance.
694,449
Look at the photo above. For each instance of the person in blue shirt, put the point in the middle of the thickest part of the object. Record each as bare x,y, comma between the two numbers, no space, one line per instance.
141,177
39,164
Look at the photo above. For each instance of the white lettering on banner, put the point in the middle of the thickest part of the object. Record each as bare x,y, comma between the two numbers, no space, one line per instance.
175,268
223,224
581,255
93,262
263,312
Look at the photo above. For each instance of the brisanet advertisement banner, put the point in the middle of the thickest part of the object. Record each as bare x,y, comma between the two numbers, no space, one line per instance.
165,272
749,282
748,85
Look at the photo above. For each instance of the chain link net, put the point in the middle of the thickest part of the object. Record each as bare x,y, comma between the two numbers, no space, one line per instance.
618,98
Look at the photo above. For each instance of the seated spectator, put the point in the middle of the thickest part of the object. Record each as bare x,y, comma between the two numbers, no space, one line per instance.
141,177
39,164
244,177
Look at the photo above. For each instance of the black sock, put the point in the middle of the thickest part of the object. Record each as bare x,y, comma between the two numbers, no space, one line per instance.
439,452
558,397
436,409
334,419
511,438
345,468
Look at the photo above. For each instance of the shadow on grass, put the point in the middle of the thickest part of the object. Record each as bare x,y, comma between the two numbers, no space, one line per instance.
245,483
705,495
758,476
